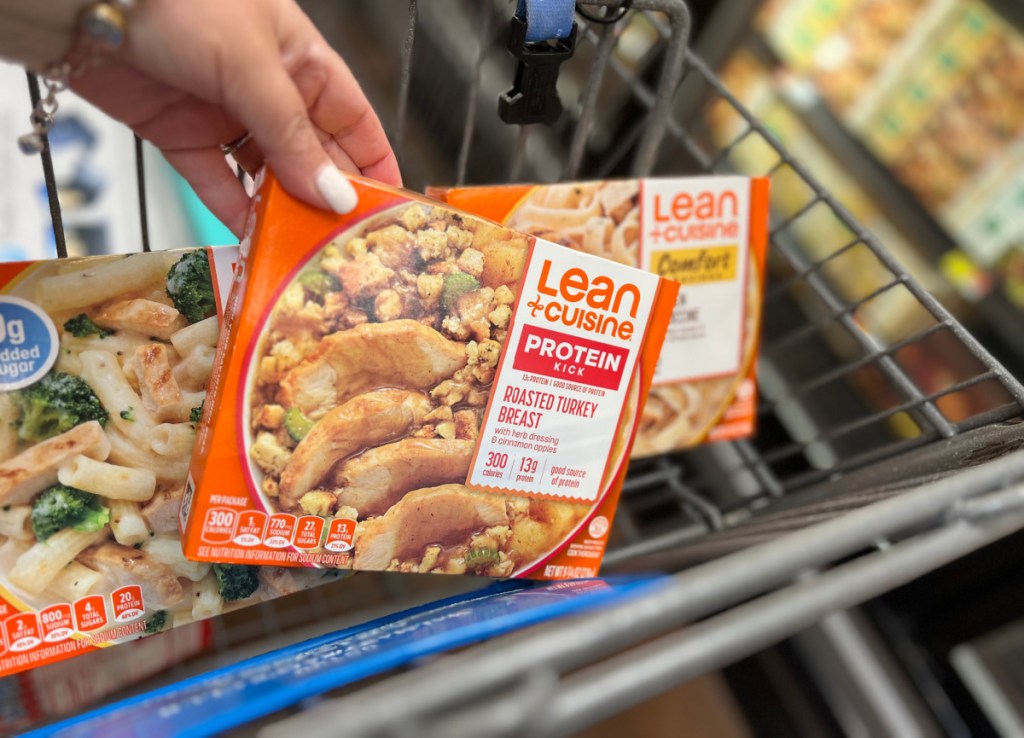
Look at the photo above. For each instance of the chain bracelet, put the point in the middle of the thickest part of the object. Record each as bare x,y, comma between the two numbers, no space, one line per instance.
99,28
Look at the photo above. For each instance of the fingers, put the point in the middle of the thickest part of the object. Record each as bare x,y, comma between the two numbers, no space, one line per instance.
214,183
157,111
264,98
338,107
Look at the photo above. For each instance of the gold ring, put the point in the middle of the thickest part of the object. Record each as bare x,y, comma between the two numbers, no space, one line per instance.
230,148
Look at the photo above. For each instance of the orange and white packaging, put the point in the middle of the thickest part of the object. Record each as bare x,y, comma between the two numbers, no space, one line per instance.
412,388
710,235
65,688
101,381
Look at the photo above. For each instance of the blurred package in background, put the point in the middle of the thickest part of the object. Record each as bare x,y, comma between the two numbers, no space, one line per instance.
911,113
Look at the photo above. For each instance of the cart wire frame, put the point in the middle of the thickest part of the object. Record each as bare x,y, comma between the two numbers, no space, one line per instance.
759,527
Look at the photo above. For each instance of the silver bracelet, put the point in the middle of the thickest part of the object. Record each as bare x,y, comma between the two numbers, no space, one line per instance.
100,29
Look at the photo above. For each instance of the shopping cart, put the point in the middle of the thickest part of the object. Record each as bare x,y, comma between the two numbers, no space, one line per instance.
863,477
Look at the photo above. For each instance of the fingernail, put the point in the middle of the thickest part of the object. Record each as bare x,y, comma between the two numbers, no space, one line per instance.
335,188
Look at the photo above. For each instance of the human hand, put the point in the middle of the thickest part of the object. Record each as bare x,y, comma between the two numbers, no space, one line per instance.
196,74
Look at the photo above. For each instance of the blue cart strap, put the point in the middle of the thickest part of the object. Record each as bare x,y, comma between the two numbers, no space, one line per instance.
546,19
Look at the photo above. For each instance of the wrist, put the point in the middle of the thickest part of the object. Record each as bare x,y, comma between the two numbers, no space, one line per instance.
43,36
98,27
38,33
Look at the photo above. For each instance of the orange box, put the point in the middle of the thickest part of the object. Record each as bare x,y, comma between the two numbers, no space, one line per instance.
412,388
100,378
708,233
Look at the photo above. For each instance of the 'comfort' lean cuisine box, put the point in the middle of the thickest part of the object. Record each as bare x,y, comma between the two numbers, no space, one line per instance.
707,233
412,388
104,363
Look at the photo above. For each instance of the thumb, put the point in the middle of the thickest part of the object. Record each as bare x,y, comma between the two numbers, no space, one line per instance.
265,99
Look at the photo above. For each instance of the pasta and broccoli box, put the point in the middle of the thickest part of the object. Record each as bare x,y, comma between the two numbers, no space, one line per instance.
412,388
104,364
707,233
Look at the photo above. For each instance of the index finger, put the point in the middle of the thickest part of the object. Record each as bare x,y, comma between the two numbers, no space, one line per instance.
337,104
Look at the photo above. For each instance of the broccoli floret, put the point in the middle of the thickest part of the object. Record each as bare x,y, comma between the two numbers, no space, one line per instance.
455,285
59,507
195,414
236,581
55,404
190,286
320,283
128,414
156,622
297,424
81,326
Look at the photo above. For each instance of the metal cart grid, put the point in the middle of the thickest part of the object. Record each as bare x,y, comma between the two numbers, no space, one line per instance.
825,453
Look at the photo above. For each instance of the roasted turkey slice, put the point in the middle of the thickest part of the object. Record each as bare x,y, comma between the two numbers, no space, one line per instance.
364,421
377,479
444,515
399,353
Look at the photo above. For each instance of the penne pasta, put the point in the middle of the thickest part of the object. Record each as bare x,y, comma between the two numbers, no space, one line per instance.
125,451
193,371
100,282
40,565
14,522
35,468
74,581
203,333
127,523
206,599
70,266
172,439
108,480
122,345
194,399
68,363
8,434
127,411
167,550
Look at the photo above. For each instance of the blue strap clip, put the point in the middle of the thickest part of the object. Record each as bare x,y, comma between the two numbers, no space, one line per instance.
542,35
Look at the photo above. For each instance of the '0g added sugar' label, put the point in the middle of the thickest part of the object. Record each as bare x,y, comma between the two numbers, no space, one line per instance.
28,343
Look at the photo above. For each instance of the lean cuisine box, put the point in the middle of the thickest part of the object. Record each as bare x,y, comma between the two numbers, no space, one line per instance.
412,388
101,381
707,233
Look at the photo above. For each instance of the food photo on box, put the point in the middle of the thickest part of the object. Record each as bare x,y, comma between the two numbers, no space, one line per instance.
104,364
412,388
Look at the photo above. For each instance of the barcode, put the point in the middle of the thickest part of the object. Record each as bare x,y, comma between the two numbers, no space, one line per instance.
186,502
569,572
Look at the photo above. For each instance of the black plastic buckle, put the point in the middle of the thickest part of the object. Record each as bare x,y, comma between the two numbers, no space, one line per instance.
534,95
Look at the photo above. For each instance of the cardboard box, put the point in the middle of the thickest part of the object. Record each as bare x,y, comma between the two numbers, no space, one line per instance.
66,688
412,388
709,234
101,377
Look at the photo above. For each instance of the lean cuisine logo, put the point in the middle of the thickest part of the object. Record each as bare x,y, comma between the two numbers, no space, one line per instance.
688,217
569,297
709,218
597,305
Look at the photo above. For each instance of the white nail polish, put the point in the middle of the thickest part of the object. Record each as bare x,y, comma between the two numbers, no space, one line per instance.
335,188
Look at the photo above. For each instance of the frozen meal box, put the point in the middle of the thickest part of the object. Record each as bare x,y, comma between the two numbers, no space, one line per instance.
412,388
104,363
707,233
67,688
